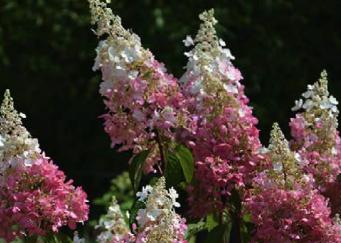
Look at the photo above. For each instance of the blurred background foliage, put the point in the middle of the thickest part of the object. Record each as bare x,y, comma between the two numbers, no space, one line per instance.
47,51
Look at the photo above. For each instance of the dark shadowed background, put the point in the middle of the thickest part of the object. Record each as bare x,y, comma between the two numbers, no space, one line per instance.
47,51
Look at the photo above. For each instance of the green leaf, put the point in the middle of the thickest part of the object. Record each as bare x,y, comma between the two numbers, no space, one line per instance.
173,171
192,239
211,222
134,210
56,238
194,228
136,169
247,217
185,157
219,234
246,228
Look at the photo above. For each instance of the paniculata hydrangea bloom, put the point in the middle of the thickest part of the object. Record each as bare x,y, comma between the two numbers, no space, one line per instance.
283,204
114,228
225,141
144,102
35,197
158,221
316,139
314,132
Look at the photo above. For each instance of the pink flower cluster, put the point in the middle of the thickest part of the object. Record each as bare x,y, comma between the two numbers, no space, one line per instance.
317,141
283,203
36,200
225,140
144,103
282,187
155,232
292,216
140,106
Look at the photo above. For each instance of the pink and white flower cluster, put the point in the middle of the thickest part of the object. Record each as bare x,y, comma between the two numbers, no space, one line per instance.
146,107
113,226
35,198
156,222
316,139
225,140
144,103
283,187
284,205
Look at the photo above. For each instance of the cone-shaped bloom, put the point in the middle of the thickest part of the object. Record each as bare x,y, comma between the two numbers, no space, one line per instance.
114,228
143,101
316,138
35,197
314,132
158,221
283,203
225,140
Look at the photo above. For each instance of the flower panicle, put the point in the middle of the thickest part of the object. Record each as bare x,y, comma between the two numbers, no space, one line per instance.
225,141
158,221
108,23
283,159
10,117
206,37
31,186
317,100
143,101
315,134
15,140
112,225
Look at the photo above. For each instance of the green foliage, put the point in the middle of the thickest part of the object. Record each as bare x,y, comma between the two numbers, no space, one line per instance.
120,188
134,210
57,238
220,233
185,158
193,229
211,222
173,170
179,165
136,169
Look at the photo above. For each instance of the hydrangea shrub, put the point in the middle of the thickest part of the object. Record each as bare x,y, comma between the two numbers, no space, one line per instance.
198,170
199,135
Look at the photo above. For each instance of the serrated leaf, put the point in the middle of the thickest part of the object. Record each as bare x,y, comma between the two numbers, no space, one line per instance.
185,158
136,169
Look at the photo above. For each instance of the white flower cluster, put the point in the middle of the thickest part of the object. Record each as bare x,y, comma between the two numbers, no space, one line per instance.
119,50
112,225
113,58
158,221
158,201
317,97
209,56
16,144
